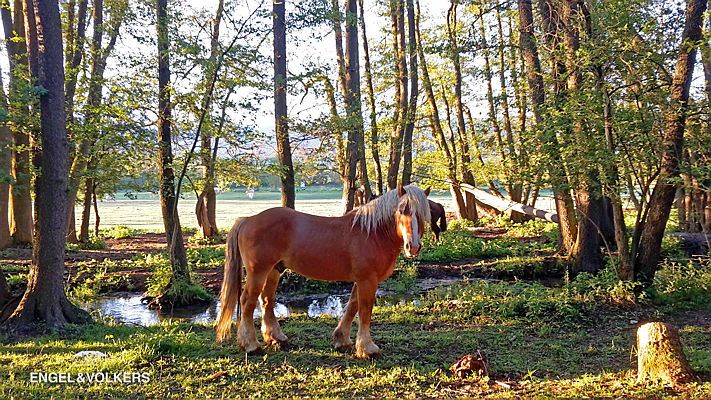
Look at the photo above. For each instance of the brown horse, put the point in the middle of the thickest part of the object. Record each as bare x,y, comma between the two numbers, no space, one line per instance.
438,214
359,247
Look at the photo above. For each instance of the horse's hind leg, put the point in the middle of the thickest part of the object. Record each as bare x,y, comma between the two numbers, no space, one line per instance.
247,335
365,348
271,331
342,333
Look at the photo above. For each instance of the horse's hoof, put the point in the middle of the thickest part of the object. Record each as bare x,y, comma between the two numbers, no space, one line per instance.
255,352
280,344
344,347
370,351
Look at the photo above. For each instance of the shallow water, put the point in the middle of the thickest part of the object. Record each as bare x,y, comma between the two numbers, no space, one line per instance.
128,307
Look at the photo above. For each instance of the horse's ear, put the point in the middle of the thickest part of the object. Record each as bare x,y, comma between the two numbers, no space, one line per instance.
427,191
400,189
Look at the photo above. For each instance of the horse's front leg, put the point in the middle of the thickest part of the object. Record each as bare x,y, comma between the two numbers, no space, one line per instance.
342,333
365,348
271,331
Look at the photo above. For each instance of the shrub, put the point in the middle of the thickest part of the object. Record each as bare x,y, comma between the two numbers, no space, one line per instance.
118,232
682,285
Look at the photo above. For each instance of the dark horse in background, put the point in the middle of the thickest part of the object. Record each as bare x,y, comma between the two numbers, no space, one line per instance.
438,221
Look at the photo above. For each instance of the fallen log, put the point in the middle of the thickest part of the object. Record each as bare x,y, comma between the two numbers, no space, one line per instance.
504,205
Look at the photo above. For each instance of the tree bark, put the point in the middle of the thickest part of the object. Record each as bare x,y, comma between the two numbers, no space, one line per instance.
650,239
661,356
355,148
585,255
414,93
86,209
437,132
467,175
168,197
5,169
288,194
550,145
44,299
374,135
21,219
205,209
93,102
397,136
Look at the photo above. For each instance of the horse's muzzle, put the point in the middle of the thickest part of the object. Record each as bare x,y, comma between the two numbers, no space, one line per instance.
411,251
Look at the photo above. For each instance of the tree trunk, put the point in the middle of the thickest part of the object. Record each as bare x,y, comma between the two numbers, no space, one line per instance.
75,35
21,223
396,138
97,218
288,194
436,127
5,169
661,356
44,299
355,148
414,92
86,210
467,175
550,146
168,197
650,239
374,135
207,199
93,102
586,255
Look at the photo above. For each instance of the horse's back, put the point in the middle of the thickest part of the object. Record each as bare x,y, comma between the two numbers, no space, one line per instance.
308,244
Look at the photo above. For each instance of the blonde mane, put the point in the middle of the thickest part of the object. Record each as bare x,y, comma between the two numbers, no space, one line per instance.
381,210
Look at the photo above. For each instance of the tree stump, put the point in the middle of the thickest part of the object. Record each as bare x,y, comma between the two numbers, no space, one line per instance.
660,355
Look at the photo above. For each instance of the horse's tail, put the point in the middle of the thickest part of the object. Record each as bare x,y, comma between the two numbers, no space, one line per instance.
443,222
231,283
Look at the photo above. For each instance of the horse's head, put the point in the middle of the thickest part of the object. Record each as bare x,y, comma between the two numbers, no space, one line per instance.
410,217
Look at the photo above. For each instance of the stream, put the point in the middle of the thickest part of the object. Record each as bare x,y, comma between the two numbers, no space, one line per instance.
128,307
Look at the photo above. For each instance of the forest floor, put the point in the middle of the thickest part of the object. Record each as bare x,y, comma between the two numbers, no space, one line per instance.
545,336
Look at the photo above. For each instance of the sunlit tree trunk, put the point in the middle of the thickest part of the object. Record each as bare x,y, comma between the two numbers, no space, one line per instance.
397,12
650,239
44,300
168,197
374,135
288,193
21,220
205,209
468,176
414,92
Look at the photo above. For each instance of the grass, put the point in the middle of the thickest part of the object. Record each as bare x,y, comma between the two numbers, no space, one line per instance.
544,342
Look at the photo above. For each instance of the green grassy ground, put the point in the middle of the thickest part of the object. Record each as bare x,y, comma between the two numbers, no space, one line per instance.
542,342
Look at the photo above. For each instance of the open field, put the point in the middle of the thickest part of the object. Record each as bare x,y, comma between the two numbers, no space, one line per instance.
144,212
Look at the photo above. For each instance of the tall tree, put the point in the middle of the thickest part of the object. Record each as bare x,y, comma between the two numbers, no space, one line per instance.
650,238
397,14
44,299
585,254
288,194
355,148
99,57
454,54
374,135
450,152
180,277
20,198
414,92
207,199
